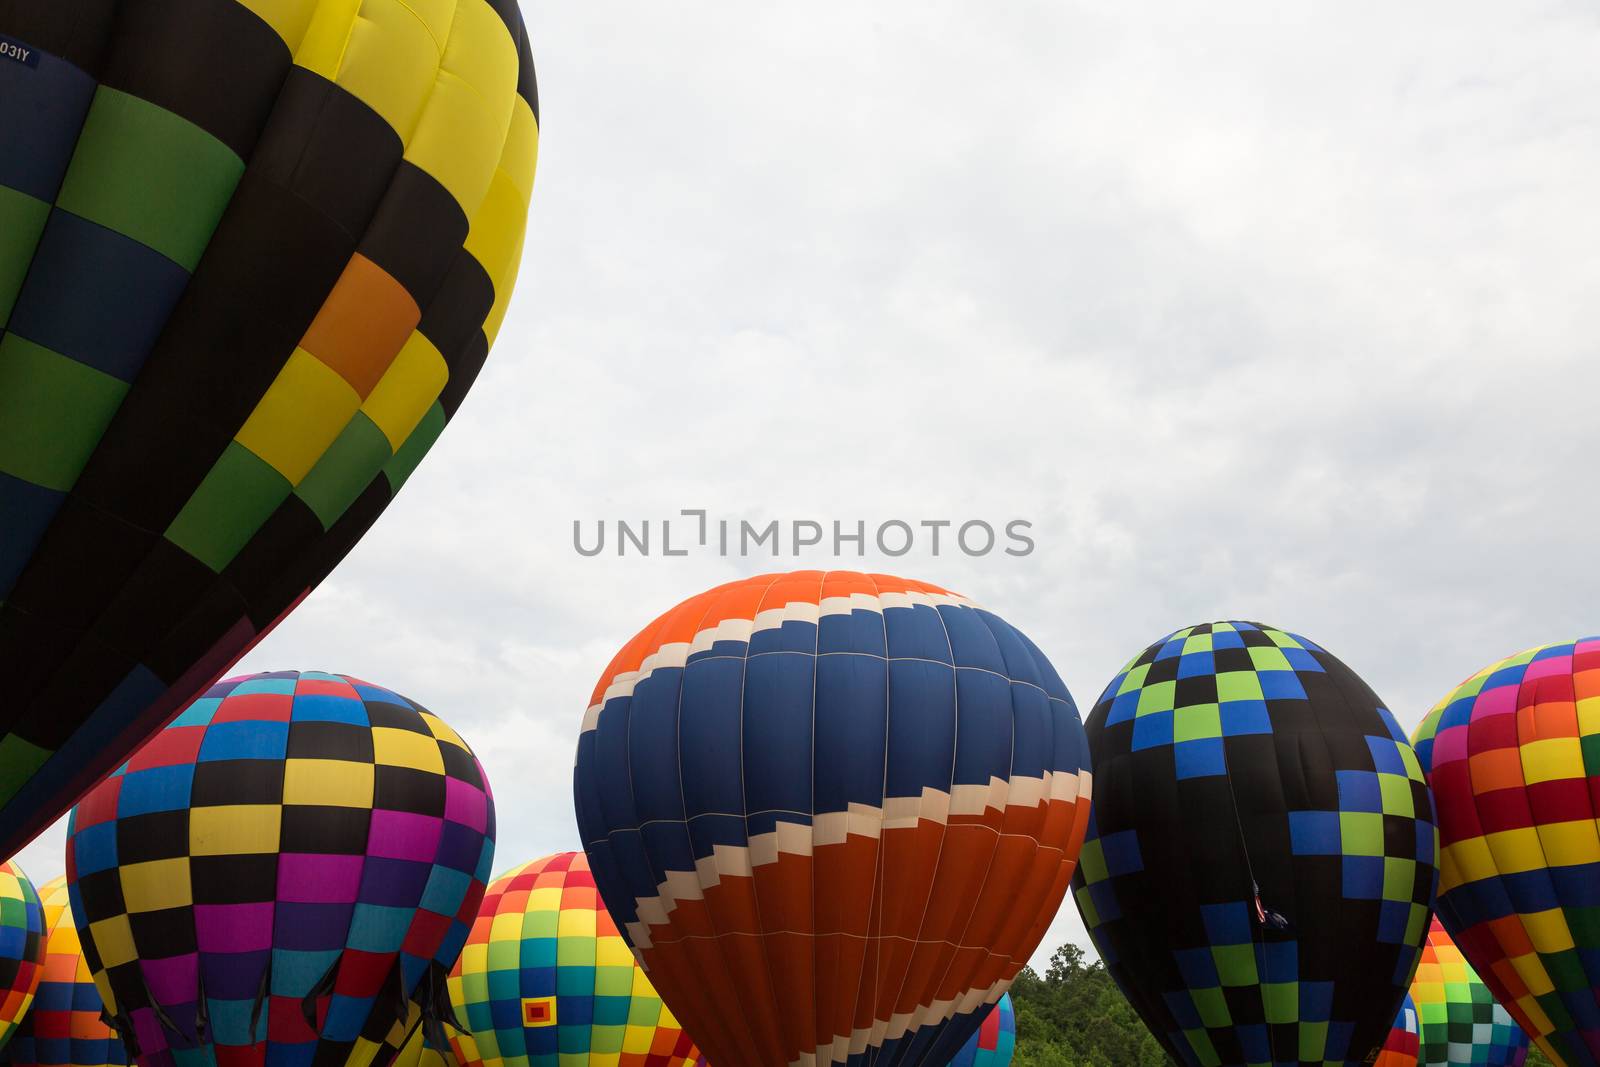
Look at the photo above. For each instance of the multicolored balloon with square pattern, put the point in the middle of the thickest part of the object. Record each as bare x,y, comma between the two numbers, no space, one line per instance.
1460,1020
547,980
848,803
65,1027
994,1041
1261,856
21,947
1400,1050
280,874
253,254
1513,756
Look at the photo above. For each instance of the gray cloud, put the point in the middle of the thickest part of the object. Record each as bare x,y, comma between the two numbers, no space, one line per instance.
1262,312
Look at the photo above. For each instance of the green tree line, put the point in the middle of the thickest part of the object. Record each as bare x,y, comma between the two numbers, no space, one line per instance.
1075,1016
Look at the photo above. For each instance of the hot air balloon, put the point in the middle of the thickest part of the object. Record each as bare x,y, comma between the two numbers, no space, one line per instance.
64,1028
993,1042
1260,860
1461,1023
21,947
252,256
1513,756
547,979
1400,1050
848,803
276,875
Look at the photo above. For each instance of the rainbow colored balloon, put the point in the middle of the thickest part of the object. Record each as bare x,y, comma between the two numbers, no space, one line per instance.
277,876
1461,1022
253,254
65,1027
994,1041
546,977
1513,758
1400,1050
849,804
21,947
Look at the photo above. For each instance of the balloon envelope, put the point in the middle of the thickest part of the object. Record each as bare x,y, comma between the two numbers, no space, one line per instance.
64,1027
1260,859
1513,756
546,977
1461,1022
279,872
847,804
994,1041
21,947
252,255
1400,1050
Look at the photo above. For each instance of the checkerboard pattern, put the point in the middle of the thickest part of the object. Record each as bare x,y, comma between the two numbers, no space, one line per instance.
273,876
1243,772
1461,1021
994,1041
253,254
64,1028
1400,1050
546,980
1513,756
21,947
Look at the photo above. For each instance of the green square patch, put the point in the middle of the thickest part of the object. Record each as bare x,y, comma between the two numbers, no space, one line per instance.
53,411
238,495
1239,685
19,759
1399,878
22,220
1092,862
1133,678
1197,721
1396,793
1280,1001
1236,964
1212,1006
1156,698
1313,1040
1269,658
413,448
344,470
150,175
1361,833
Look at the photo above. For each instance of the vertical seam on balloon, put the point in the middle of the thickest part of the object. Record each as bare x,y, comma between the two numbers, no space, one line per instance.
874,942
710,602
918,1016
812,1035
1000,833
744,779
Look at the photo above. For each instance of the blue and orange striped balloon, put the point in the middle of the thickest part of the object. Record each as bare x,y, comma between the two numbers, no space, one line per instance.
849,804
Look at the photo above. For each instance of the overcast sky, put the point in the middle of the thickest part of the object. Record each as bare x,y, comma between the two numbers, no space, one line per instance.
1264,311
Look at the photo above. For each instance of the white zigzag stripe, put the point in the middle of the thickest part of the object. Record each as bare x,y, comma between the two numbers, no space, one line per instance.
798,839
677,653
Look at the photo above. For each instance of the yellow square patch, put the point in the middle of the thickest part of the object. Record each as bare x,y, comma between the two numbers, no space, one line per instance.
538,1011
